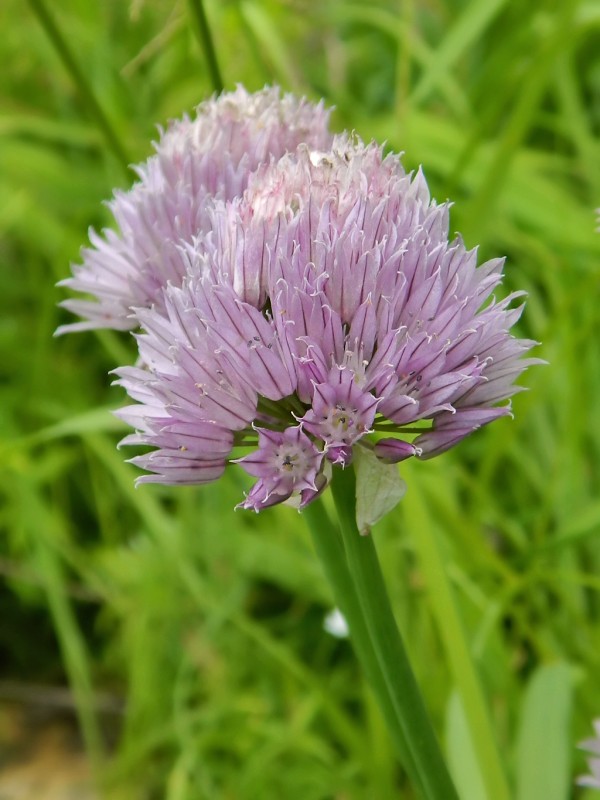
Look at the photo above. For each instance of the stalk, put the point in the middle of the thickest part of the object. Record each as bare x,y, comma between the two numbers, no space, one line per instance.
65,54
329,548
352,566
206,43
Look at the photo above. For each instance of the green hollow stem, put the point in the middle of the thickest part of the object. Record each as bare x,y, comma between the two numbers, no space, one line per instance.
206,43
363,564
65,54
329,548
353,568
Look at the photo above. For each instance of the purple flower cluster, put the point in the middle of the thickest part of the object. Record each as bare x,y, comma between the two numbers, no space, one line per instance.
298,296
196,162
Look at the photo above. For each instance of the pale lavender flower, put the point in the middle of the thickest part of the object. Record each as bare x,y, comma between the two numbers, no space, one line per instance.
286,462
326,310
196,161
593,747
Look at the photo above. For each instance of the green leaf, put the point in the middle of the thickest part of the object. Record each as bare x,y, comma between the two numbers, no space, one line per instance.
379,488
544,744
461,754
98,420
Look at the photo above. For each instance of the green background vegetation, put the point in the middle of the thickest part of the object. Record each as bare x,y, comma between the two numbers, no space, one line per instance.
205,625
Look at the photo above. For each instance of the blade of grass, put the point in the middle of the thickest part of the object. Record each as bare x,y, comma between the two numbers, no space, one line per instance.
66,56
268,39
206,43
568,92
411,45
40,522
470,25
483,205
461,753
453,636
545,744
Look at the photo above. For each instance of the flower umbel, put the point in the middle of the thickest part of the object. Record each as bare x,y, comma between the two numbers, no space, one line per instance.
309,303
593,747
196,161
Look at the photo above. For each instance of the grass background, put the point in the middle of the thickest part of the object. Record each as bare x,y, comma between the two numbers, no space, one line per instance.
192,636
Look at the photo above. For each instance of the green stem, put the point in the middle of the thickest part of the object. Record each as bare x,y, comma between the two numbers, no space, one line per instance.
62,48
457,649
425,761
206,42
328,546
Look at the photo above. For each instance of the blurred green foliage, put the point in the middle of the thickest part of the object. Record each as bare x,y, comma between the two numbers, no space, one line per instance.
205,624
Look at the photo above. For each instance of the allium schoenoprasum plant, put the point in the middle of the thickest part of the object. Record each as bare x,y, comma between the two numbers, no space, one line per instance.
185,639
301,311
